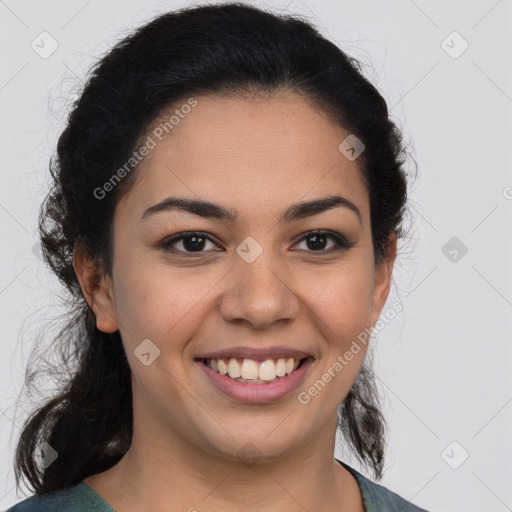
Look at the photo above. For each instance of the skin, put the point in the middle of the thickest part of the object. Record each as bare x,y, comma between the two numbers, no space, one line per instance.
257,156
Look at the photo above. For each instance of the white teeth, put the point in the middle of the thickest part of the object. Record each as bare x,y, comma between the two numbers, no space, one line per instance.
281,367
223,367
234,368
267,370
251,370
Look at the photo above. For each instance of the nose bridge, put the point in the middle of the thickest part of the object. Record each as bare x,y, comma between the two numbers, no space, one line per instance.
259,292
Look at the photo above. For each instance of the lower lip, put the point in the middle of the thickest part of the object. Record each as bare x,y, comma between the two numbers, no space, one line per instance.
257,393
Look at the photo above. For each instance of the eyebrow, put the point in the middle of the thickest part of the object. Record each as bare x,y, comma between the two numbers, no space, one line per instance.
208,209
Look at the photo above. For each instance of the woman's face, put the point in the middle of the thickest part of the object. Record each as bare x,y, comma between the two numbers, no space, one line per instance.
259,282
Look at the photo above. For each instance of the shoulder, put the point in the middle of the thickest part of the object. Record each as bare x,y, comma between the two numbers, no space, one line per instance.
76,498
378,498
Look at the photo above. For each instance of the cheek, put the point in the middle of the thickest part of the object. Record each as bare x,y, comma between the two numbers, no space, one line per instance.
341,299
158,302
339,305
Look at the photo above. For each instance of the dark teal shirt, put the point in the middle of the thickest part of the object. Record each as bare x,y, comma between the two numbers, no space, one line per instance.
81,498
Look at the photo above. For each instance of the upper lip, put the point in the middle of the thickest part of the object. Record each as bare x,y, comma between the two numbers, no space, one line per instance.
256,353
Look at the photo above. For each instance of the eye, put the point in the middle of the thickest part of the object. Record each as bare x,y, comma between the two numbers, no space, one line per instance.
316,241
192,242
189,243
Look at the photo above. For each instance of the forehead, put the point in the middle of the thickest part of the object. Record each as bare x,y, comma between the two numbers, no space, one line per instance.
254,154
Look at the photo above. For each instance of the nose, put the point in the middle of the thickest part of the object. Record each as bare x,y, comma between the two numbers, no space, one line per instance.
259,295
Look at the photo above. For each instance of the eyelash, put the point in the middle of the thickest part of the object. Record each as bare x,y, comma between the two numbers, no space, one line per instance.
342,244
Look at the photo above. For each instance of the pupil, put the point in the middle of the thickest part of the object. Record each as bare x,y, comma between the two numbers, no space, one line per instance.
315,244
194,245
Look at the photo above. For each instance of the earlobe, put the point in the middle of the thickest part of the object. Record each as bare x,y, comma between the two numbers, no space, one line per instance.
96,290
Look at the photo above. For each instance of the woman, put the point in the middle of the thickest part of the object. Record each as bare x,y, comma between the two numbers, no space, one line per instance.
227,197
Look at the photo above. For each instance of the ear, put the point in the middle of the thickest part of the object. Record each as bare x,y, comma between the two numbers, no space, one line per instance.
383,272
97,289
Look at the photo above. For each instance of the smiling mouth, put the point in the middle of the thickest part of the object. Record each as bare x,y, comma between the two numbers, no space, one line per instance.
250,371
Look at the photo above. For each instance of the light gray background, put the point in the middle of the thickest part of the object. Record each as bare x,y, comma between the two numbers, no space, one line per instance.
444,361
